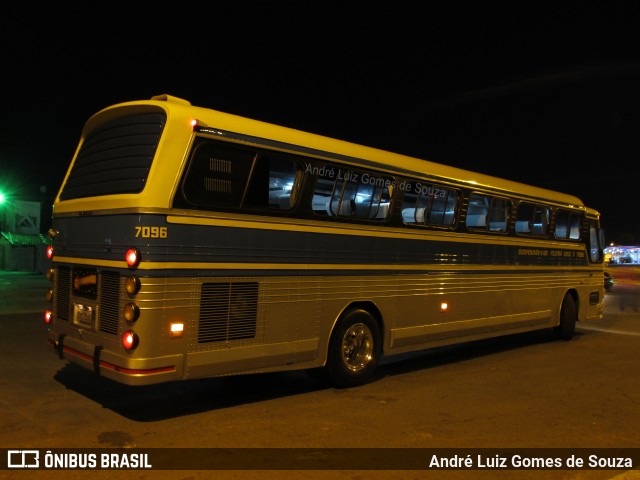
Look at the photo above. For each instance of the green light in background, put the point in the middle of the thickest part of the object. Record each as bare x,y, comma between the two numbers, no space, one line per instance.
2,198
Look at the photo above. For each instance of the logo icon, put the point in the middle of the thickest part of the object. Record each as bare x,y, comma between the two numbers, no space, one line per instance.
23,458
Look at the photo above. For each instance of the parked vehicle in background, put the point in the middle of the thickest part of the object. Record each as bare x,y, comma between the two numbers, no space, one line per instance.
608,281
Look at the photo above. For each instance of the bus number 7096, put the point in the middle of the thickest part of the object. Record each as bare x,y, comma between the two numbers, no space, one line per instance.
151,232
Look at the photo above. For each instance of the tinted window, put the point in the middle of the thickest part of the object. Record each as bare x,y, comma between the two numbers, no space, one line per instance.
342,192
226,176
532,219
429,204
568,224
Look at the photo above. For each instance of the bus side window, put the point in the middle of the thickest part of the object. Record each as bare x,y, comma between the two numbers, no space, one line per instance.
274,183
346,193
442,211
343,201
232,177
568,224
562,224
595,248
574,226
367,195
540,221
216,176
499,214
426,204
414,205
532,219
325,185
477,211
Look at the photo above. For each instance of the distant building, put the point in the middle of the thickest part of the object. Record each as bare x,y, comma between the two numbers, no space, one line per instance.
618,255
22,246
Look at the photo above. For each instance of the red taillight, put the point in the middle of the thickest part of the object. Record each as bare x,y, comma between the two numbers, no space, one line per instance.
130,340
133,257
50,252
48,315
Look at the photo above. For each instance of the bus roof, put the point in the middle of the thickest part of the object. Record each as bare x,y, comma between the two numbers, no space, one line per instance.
384,160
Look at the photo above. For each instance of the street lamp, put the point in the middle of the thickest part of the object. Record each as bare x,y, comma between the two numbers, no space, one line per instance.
5,210
3,200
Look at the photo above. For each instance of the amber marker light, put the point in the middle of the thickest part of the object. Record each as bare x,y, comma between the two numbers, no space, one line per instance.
131,312
444,306
133,257
130,340
132,285
51,273
195,123
176,329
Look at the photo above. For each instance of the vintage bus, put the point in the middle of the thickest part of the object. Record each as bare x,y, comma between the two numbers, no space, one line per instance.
191,243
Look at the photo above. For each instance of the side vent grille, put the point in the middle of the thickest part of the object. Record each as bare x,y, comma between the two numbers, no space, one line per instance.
63,289
228,311
109,302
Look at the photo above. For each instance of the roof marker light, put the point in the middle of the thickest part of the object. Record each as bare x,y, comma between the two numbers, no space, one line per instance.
195,123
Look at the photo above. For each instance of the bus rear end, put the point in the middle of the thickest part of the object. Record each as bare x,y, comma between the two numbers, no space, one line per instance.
104,225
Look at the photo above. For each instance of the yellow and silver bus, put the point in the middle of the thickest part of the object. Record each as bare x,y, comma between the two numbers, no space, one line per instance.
191,243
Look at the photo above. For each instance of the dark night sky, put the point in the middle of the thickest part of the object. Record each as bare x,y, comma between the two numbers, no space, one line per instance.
539,92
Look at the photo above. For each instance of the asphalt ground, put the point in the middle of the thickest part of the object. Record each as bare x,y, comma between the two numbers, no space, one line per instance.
25,292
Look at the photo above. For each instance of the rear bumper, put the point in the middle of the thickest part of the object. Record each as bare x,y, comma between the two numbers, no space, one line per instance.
120,368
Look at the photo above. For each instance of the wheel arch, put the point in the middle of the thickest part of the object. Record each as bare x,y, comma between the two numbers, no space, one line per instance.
355,345
368,306
576,299
568,315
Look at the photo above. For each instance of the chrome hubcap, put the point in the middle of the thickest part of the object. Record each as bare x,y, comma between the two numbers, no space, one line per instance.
357,347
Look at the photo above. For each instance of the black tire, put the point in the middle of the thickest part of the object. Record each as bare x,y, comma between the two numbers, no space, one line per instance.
354,351
568,318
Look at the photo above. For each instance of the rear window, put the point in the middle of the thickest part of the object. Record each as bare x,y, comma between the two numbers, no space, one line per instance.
116,157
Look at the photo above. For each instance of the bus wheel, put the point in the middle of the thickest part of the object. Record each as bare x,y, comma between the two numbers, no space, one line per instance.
354,349
568,318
